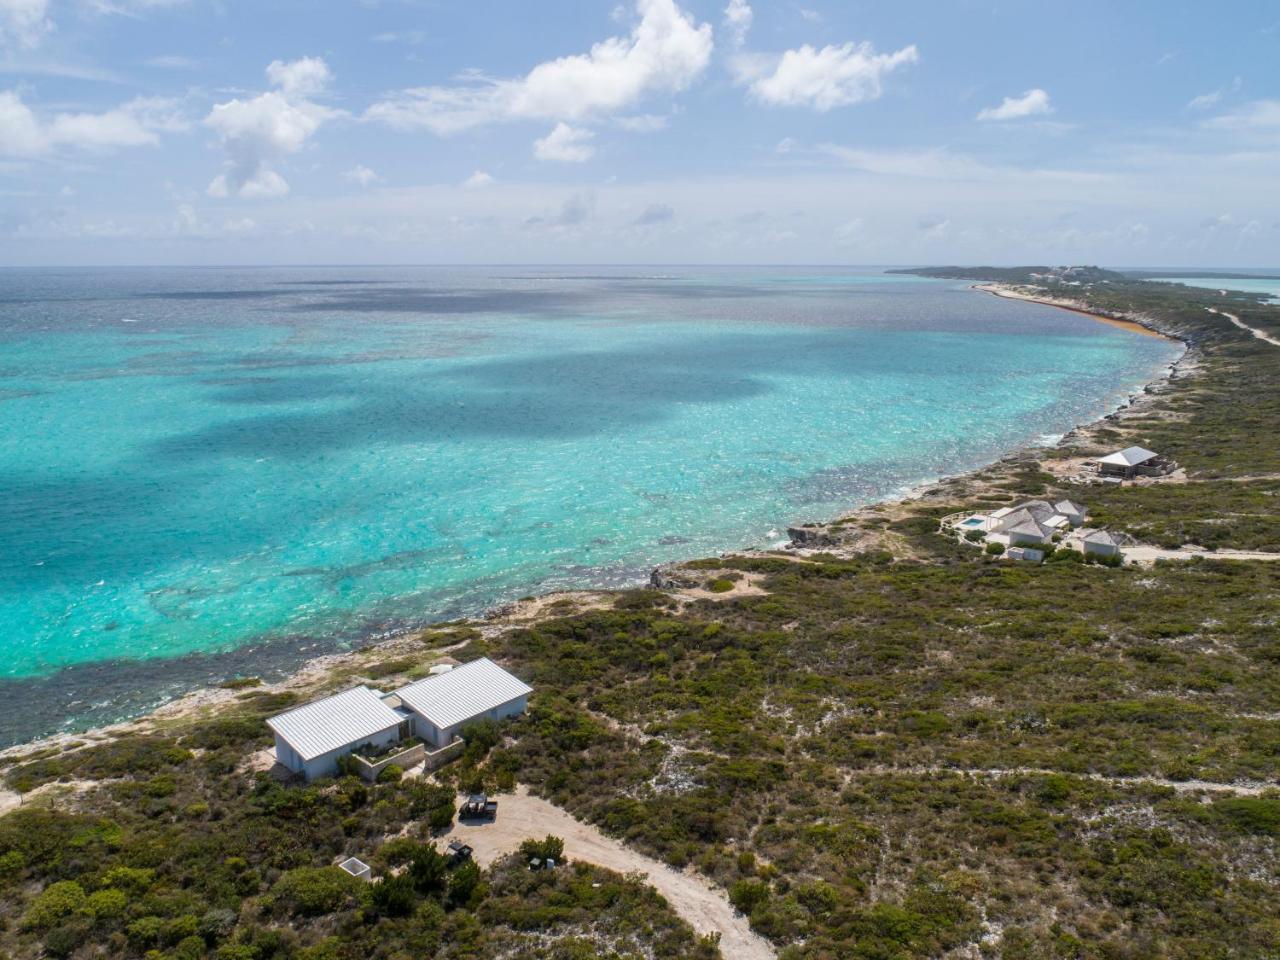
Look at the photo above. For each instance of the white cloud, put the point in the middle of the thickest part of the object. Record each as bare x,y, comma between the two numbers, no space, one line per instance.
259,131
642,123
1033,103
566,144
172,61
737,20
850,232
477,180
411,37
1257,115
132,124
360,174
1204,101
304,77
24,22
574,212
944,165
665,52
821,79
934,229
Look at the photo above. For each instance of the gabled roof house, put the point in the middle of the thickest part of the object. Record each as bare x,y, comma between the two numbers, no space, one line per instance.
310,739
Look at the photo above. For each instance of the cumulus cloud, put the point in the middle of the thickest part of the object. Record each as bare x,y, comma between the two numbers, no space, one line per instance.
737,20
360,174
259,131
655,215
304,77
25,134
1257,115
1031,104
565,144
24,22
574,212
477,180
665,52
821,79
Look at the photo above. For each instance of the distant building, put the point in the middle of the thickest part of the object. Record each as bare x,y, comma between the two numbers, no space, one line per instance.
1130,462
1074,512
1033,522
312,738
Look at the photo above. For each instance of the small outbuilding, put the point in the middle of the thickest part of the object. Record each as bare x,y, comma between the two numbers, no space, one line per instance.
442,705
1100,543
310,739
1128,463
1029,554
357,868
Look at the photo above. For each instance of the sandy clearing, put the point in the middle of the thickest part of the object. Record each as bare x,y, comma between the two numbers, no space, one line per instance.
706,907
1260,334
1149,555
1250,788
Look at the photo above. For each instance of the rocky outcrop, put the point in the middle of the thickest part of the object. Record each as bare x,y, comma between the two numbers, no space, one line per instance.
673,578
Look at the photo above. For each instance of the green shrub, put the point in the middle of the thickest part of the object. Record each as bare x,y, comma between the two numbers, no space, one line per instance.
11,865
720,585
748,894
53,903
392,896
427,869
241,683
391,773
62,941
135,879
464,883
1251,814
995,549
312,891
145,930
105,904
549,848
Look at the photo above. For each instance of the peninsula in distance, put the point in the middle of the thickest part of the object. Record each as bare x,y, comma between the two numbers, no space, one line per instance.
544,482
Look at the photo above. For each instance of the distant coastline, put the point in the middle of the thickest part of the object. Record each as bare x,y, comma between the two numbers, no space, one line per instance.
1013,293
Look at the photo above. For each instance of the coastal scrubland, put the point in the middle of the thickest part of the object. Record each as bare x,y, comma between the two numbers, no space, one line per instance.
907,749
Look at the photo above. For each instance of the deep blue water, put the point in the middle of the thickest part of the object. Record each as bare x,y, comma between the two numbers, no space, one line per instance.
211,471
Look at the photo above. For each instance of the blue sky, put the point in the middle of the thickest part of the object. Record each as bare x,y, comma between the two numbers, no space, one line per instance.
412,131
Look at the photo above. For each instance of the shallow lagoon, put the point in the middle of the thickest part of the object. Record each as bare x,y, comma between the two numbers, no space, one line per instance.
242,468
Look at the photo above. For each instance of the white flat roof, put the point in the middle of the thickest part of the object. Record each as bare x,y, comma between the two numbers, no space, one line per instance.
316,728
464,692
1128,457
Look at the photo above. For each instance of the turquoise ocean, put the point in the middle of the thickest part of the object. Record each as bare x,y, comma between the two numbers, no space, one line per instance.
212,472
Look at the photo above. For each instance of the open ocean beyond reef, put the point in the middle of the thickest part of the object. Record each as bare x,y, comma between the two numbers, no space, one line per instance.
206,472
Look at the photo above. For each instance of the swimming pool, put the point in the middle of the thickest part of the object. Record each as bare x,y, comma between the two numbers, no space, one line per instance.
973,522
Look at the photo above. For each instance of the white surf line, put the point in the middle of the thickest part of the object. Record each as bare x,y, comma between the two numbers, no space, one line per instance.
702,904
1261,335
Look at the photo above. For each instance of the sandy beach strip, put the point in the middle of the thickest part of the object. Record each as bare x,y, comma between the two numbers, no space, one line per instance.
1012,293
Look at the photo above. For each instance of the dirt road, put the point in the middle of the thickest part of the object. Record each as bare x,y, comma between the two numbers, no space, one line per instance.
705,906
1261,335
